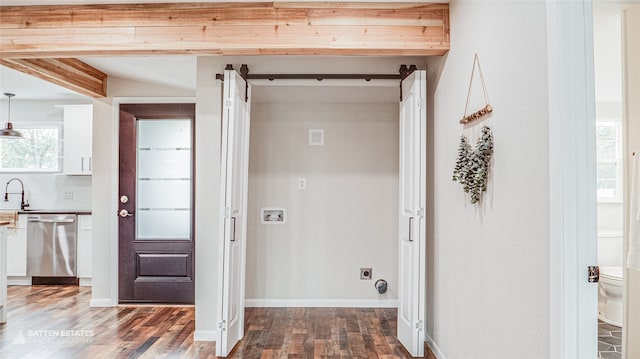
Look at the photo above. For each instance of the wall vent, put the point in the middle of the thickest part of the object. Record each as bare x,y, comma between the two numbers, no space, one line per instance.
316,137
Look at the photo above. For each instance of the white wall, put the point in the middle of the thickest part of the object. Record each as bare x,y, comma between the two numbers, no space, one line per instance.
632,64
208,134
610,216
44,190
347,217
607,39
488,283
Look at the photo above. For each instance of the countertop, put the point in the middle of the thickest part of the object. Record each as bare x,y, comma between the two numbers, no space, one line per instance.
56,211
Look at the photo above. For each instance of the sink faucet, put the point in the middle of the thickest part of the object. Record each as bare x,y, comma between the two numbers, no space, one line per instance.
23,204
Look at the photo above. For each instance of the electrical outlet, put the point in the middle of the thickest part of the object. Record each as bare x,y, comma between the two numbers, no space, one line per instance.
302,183
68,194
365,273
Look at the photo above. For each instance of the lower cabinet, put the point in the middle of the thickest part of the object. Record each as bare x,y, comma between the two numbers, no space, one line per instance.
17,248
17,251
85,249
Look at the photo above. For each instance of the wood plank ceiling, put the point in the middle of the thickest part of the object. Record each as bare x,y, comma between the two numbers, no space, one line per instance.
44,40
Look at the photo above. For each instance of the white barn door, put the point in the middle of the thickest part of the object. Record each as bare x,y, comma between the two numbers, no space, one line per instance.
412,242
233,221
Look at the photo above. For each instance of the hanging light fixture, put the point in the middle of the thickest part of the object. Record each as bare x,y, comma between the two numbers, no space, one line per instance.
8,131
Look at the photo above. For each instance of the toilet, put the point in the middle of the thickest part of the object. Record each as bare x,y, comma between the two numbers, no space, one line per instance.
611,277
610,295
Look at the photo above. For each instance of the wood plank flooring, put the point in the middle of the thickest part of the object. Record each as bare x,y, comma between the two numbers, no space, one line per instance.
57,322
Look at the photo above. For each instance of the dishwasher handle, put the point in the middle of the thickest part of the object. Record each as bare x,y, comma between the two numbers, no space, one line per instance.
38,220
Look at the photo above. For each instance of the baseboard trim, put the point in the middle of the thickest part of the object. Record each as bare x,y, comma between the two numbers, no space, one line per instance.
18,280
323,303
434,347
205,335
85,282
101,302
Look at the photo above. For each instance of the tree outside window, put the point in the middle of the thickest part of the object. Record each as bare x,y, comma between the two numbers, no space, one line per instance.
37,151
609,158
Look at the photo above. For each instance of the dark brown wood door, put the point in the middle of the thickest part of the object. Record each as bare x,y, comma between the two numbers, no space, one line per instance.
156,202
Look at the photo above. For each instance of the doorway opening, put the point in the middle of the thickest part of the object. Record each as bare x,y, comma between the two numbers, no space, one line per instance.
617,142
341,197
607,34
335,183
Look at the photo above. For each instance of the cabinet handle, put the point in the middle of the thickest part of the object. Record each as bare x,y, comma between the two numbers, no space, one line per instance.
51,220
233,235
82,164
410,229
90,167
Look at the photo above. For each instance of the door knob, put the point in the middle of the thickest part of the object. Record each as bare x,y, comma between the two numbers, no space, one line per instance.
124,213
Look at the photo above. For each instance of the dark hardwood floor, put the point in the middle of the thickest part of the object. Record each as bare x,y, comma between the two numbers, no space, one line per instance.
57,322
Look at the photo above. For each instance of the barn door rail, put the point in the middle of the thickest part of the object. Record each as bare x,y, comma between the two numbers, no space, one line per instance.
403,72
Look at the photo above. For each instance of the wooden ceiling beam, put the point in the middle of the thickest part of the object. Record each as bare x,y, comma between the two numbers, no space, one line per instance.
322,28
69,73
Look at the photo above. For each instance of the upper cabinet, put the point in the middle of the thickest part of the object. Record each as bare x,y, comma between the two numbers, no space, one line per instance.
78,123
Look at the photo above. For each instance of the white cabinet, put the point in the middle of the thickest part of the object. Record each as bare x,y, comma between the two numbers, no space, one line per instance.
85,249
17,248
78,123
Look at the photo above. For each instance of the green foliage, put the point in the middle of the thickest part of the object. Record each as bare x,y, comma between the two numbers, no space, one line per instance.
472,166
37,150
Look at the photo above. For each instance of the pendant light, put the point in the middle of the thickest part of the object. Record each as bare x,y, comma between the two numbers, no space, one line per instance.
8,131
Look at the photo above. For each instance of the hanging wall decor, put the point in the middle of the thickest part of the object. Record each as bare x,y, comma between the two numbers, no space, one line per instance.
472,164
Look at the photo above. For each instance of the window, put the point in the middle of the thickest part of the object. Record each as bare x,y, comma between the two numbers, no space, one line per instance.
37,151
609,157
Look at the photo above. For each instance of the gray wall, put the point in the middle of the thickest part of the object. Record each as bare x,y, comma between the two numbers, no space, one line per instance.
345,219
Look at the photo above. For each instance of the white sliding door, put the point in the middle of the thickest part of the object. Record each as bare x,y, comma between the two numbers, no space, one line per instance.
233,235
412,242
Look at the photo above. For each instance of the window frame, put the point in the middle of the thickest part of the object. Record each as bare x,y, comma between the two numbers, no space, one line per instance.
29,125
617,161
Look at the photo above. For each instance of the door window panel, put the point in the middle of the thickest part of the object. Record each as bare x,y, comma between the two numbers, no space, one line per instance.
163,179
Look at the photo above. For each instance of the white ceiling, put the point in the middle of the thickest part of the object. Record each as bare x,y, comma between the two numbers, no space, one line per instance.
171,71
27,87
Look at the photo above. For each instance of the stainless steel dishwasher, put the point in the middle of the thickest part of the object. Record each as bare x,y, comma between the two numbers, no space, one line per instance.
51,245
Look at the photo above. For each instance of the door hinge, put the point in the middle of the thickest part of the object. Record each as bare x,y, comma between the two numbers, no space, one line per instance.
226,212
419,325
222,325
594,274
421,213
228,103
421,103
